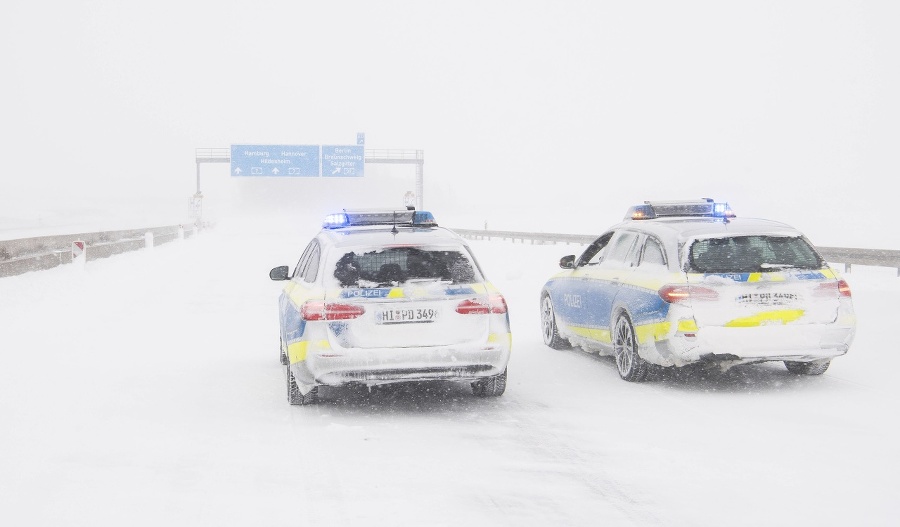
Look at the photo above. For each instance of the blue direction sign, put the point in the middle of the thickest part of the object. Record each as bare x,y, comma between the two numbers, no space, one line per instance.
343,161
275,160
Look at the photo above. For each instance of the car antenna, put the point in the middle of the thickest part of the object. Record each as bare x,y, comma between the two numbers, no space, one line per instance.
394,230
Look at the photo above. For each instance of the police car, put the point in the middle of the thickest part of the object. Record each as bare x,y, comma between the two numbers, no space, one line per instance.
389,296
680,283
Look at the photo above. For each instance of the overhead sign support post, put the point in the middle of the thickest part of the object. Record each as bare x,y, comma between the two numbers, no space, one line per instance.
403,157
205,155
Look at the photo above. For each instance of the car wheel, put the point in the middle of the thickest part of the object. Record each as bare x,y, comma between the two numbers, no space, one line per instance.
548,325
490,387
807,368
284,357
293,391
631,366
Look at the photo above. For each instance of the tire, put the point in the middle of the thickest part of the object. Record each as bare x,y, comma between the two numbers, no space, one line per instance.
490,387
549,329
629,363
293,391
807,368
284,357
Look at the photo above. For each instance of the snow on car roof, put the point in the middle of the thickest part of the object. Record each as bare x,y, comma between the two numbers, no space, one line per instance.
385,235
685,228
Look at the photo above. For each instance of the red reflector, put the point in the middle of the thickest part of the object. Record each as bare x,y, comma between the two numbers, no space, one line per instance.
681,293
314,310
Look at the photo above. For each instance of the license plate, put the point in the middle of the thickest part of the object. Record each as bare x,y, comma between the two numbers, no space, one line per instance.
410,315
768,299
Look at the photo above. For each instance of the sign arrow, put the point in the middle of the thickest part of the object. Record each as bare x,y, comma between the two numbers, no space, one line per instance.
237,171
275,171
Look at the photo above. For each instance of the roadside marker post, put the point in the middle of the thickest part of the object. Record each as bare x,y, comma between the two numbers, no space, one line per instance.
79,256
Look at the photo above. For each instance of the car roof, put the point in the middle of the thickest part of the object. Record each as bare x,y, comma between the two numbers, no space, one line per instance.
700,227
385,235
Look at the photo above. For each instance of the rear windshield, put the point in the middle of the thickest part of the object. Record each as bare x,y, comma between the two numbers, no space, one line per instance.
395,265
752,254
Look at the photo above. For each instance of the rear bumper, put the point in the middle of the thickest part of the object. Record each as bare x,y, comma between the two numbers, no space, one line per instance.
385,376
753,344
386,365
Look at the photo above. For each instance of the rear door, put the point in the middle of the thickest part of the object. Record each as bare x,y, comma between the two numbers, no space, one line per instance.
411,296
749,281
299,289
595,284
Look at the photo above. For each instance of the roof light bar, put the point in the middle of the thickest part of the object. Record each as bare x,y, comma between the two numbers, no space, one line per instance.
335,221
348,218
703,208
423,217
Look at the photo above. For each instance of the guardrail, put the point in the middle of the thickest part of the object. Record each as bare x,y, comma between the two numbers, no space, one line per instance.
846,256
45,252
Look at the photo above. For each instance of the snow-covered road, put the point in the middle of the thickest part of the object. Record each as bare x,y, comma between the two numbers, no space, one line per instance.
145,389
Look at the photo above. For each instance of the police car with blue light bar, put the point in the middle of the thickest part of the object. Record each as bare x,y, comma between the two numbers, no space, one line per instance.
680,283
386,296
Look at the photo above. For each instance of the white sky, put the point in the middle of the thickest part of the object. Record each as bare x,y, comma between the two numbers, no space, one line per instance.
575,110
145,389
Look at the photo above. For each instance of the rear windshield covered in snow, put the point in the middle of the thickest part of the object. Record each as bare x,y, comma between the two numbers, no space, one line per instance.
395,265
752,254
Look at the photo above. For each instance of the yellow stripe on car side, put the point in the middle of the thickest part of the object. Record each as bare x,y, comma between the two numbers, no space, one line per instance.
645,333
687,325
652,332
297,350
498,337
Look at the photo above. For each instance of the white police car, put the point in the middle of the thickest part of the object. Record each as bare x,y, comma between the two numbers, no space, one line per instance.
388,296
686,282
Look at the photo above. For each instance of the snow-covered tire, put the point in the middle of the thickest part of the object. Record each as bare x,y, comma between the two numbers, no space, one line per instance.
807,368
293,391
549,329
490,387
629,363
284,357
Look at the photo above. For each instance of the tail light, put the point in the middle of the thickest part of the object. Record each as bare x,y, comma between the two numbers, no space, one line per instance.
495,304
683,293
839,288
844,288
315,310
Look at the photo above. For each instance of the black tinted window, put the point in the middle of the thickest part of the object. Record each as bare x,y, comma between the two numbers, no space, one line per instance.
751,254
401,264
304,259
594,253
312,268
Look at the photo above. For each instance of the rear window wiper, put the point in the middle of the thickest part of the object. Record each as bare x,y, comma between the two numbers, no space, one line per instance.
778,266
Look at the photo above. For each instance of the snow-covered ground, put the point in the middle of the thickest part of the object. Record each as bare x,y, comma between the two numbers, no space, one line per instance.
145,389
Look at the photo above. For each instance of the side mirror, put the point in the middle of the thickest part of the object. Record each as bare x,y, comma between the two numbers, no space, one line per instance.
279,273
567,262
